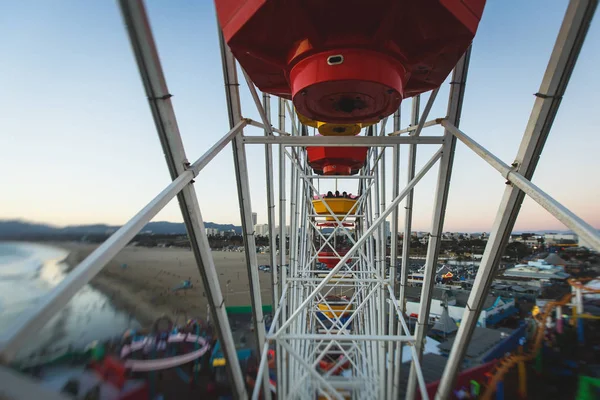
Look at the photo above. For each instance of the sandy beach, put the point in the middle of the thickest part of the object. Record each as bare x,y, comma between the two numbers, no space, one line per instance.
141,280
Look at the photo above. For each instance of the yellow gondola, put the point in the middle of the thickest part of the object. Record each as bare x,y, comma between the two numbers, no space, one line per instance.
336,308
331,129
339,206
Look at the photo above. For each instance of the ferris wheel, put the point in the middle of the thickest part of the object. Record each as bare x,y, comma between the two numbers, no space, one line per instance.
336,73
340,328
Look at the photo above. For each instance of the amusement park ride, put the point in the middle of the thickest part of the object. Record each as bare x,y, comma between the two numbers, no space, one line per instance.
342,68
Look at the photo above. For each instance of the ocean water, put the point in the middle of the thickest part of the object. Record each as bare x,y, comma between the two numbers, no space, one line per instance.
28,272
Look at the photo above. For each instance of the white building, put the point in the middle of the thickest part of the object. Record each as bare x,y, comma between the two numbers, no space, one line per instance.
212,231
261,230
447,236
451,235
531,241
556,238
538,269
495,308
539,263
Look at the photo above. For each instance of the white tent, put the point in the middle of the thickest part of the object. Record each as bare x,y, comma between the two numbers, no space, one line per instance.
555,259
445,324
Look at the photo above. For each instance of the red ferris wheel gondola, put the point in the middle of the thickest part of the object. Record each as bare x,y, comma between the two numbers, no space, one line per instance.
330,224
348,61
329,258
336,160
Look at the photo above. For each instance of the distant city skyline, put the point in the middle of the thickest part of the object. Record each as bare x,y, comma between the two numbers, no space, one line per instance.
80,145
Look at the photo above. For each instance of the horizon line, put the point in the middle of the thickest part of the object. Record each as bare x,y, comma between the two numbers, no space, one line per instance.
23,220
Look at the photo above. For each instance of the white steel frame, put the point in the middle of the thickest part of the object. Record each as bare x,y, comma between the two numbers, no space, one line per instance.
564,56
376,329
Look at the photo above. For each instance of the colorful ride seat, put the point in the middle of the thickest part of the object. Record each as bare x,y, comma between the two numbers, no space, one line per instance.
339,206
333,129
329,258
336,160
348,61
331,361
335,307
330,224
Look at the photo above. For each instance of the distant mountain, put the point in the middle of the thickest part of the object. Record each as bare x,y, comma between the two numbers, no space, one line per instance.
178,228
87,229
165,228
19,228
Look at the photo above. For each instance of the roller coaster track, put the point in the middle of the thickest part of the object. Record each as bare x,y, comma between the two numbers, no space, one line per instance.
508,362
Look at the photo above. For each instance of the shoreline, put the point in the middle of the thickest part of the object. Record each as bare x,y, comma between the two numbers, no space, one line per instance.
102,310
116,290
121,299
141,281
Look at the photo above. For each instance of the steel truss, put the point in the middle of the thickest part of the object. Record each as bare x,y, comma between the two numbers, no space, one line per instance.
307,329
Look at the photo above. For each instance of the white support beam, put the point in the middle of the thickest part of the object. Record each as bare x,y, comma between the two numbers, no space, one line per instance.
347,141
146,54
282,362
234,110
259,107
251,122
413,128
264,355
360,241
567,217
410,173
346,338
271,205
566,50
457,91
406,237
392,364
421,121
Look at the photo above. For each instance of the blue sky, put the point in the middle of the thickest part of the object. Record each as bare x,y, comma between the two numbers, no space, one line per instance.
79,145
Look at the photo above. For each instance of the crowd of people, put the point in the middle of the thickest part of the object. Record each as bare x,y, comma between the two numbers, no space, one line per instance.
337,195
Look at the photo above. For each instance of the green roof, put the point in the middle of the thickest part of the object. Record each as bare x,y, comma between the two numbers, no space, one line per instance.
267,308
